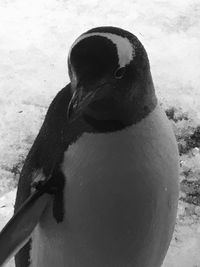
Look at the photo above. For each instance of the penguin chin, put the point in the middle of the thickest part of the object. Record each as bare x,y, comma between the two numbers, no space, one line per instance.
104,125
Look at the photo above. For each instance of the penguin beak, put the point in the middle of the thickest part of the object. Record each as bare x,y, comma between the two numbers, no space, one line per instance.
82,98
78,103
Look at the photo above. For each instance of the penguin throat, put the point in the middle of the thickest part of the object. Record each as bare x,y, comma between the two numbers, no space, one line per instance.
102,125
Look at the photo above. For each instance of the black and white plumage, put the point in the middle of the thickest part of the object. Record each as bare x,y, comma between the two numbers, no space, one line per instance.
103,170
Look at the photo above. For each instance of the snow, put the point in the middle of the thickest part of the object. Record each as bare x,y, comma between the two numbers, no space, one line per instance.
35,37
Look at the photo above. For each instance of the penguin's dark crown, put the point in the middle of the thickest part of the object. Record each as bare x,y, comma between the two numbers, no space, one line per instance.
110,77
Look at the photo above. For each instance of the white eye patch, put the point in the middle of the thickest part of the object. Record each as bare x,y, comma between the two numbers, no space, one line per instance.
125,49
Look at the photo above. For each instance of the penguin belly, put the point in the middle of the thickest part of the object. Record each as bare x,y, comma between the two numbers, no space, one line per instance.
120,198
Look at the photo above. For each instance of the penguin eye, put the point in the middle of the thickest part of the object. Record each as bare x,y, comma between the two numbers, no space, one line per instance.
119,73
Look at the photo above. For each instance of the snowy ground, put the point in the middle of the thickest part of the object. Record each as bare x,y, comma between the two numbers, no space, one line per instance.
35,36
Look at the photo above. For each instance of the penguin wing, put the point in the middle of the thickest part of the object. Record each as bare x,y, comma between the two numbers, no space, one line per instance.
40,164
17,231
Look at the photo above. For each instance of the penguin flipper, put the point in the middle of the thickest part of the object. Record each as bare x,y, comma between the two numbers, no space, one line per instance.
17,231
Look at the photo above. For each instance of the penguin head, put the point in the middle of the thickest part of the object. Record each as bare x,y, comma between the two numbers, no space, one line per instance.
110,79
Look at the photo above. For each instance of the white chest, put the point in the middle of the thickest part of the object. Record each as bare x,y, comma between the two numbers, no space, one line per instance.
135,150
100,170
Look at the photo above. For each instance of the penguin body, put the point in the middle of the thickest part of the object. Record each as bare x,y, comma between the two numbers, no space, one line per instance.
105,165
118,200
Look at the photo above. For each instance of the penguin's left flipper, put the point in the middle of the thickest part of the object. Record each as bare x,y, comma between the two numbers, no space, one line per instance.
18,230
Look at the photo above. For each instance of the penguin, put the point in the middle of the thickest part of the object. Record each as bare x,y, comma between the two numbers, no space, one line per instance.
99,187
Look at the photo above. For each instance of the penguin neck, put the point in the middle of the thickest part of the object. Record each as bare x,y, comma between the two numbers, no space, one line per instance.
138,105
125,118
143,130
